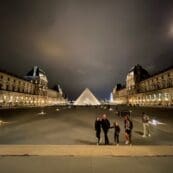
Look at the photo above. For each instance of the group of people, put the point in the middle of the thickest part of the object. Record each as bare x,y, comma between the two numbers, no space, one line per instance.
102,123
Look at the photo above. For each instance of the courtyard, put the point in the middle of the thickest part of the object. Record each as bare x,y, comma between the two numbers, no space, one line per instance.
66,125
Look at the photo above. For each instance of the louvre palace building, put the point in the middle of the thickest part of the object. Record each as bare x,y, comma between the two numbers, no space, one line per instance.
143,89
28,91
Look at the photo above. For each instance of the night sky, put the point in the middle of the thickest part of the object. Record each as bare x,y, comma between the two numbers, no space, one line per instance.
86,43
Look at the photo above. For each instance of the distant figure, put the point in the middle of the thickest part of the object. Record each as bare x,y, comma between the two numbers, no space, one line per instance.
116,132
117,112
98,129
105,127
128,125
146,126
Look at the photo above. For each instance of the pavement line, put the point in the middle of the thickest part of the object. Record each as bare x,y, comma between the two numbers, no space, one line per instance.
84,150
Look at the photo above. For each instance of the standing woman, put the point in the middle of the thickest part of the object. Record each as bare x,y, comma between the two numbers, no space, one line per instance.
128,125
98,129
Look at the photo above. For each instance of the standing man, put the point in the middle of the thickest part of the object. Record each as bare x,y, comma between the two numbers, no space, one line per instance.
98,129
146,126
105,127
128,125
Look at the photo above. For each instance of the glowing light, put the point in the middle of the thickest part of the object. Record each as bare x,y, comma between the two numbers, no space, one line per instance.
111,97
42,113
155,122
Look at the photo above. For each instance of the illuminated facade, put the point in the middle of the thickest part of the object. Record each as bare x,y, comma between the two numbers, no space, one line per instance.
32,90
145,90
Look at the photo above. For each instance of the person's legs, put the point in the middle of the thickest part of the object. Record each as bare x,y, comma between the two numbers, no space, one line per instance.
144,130
126,137
116,138
98,136
106,137
148,129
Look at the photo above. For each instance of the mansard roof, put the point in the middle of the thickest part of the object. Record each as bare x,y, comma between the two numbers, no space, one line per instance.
35,71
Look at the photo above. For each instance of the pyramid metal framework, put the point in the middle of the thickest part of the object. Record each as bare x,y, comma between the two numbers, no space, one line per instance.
87,98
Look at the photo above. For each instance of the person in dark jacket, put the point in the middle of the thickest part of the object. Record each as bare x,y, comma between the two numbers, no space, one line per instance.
98,129
116,132
105,127
128,125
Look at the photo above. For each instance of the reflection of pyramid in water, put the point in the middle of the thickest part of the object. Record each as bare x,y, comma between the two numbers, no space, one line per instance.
87,98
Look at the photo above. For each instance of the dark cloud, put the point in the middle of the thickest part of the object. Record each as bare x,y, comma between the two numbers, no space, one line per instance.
86,43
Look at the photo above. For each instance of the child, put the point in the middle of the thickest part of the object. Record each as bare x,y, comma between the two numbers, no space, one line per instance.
116,132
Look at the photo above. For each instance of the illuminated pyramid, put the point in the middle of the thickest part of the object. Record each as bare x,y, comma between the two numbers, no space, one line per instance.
86,98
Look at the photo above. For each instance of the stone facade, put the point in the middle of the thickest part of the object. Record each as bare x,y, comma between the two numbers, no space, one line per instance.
119,96
145,90
28,91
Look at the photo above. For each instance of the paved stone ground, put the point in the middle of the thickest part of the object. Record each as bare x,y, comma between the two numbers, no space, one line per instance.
70,126
54,164
85,150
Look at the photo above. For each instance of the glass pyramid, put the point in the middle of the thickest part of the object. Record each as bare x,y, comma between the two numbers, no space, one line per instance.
87,98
